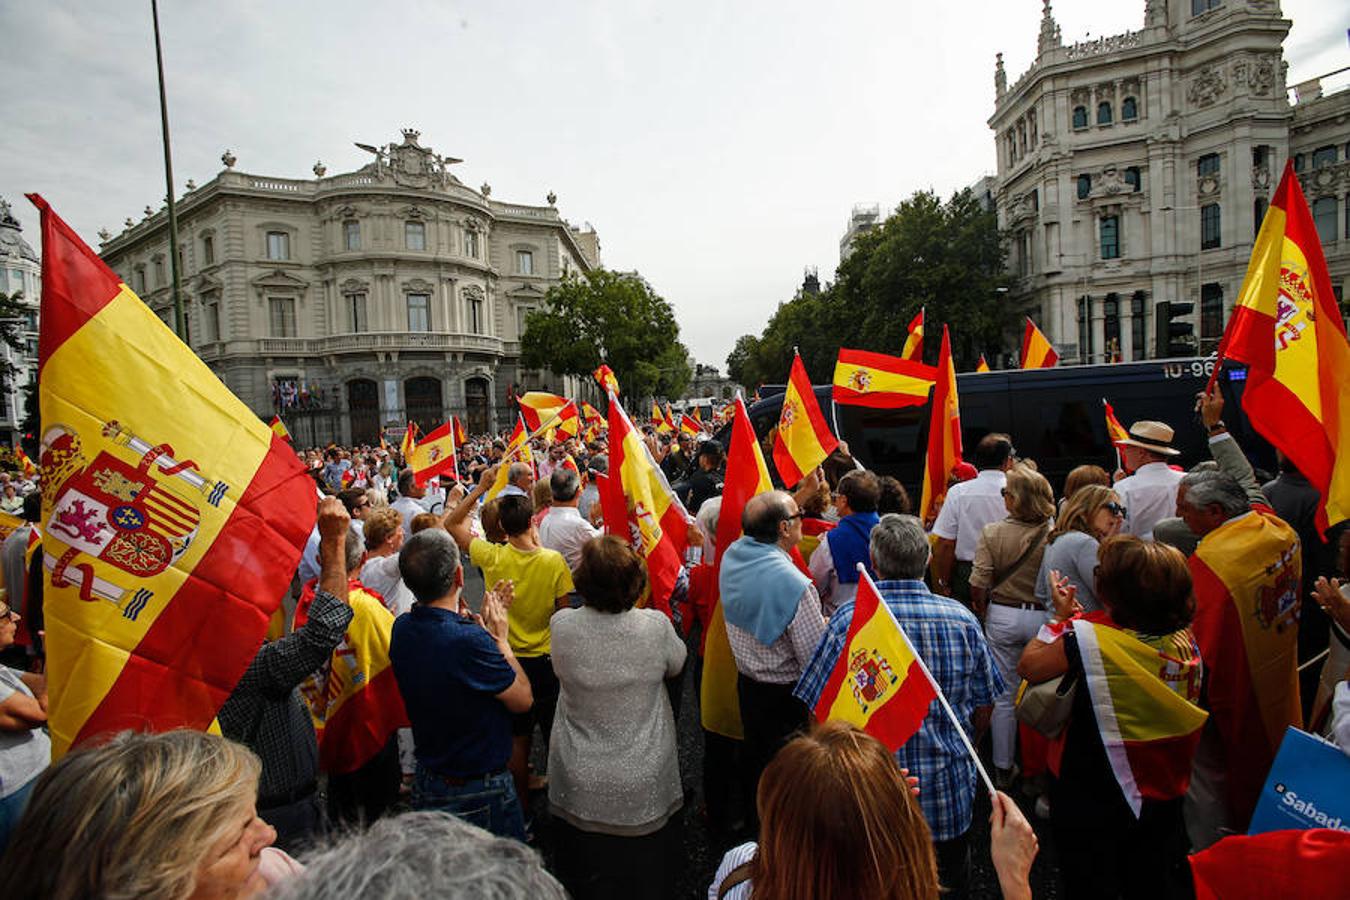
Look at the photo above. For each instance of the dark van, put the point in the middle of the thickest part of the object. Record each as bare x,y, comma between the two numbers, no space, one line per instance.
1055,416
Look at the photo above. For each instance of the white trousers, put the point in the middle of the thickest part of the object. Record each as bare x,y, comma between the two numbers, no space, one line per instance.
1008,630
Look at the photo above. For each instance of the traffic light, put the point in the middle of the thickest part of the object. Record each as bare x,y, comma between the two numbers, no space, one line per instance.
1173,335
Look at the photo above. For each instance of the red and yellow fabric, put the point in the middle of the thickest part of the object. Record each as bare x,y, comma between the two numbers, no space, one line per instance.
569,421
538,408
590,416
433,455
1246,574
9,523
1287,328
1307,864
156,482
944,432
604,376
354,699
913,350
863,378
698,415
983,365
1114,430
746,476
669,419
1037,351
26,465
517,450
689,426
409,442
279,427
639,506
1144,692
878,683
803,439
659,418
461,436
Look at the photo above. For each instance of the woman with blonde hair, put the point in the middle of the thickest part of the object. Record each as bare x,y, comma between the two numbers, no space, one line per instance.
145,815
1003,593
838,819
1091,515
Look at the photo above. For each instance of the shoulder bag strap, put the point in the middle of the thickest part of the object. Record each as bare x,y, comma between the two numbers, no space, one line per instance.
736,876
1035,542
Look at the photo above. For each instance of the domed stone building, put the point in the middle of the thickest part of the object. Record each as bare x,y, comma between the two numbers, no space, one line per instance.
20,277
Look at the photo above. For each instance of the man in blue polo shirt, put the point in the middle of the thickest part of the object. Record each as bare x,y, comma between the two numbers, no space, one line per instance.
460,684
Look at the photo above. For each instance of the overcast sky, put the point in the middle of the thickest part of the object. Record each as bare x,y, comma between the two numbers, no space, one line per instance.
716,147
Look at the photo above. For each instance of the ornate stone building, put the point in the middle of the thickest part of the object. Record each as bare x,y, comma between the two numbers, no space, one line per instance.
1135,169
354,301
20,273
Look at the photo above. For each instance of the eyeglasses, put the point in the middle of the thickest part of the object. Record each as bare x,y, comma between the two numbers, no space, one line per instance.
1115,509
796,515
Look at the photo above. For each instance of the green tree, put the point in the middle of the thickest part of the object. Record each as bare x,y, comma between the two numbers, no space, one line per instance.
610,317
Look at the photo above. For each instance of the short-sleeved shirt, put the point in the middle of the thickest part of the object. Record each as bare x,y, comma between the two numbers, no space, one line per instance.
540,577
23,754
1149,496
969,507
949,638
449,671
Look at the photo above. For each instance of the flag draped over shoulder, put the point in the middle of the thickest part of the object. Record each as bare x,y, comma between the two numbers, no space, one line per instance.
174,517
1145,692
1287,328
746,476
803,438
913,349
639,506
944,432
863,378
354,699
1037,351
433,455
878,683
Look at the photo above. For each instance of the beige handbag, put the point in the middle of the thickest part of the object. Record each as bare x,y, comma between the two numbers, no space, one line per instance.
1046,706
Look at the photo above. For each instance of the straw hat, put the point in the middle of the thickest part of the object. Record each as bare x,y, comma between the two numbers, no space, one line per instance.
1154,436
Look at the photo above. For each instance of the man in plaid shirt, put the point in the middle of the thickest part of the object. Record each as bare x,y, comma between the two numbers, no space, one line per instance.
949,638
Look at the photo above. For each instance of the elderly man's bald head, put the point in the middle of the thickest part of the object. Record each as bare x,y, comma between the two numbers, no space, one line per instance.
765,512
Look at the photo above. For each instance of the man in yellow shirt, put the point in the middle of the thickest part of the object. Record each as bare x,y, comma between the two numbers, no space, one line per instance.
542,582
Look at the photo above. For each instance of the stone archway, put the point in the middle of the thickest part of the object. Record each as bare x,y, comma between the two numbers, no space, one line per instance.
422,397
476,412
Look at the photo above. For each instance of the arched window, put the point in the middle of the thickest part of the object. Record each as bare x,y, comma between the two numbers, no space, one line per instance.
1080,117
1129,109
1103,113
1084,186
423,398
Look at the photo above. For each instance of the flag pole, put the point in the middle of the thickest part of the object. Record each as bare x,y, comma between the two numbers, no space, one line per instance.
937,688
178,320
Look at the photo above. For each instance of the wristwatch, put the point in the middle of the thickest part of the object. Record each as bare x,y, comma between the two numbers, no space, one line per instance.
1217,427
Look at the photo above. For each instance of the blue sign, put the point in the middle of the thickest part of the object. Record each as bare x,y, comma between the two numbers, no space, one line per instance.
1308,787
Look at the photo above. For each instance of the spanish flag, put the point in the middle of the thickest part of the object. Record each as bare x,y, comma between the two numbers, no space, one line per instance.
878,683
1144,691
982,365
538,408
698,415
279,427
1246,574
604,376
433,455
569,420
746,476
517,450
803,438
1287,328
461,436
26,465
409,441
174,516
9,523
914,341
1037,352
1114,429
863,378
689,426
658,417
590,415
354,699
944,432
639,506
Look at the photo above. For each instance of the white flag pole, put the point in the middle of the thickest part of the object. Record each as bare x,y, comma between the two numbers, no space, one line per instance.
937,688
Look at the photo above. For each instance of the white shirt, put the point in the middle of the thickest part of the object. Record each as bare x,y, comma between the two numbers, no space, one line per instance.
407,507
563,529
969,507
381,574
1149,496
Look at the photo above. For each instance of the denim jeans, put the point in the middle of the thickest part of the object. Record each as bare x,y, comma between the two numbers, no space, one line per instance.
489,802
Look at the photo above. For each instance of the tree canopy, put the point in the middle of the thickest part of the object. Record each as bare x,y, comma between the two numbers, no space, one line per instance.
945,257
610,317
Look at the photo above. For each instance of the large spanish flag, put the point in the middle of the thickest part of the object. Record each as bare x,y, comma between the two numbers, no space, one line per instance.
944,432
1246,575
434,454
639,506
1037,351
746,476
1287,328
878,682
803,438
1144,692
539,408
913,350
354,699
174,516
863,378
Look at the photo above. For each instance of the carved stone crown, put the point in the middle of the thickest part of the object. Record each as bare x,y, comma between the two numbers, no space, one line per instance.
410,135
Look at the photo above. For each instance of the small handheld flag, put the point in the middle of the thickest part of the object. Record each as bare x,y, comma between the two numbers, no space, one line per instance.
944,432
914,342
604,376
1037,351
982,365
279,428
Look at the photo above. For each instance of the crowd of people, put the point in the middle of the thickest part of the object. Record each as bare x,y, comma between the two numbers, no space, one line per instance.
413,774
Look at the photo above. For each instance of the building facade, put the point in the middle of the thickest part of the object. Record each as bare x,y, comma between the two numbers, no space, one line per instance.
1135,169
351,302
20,280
